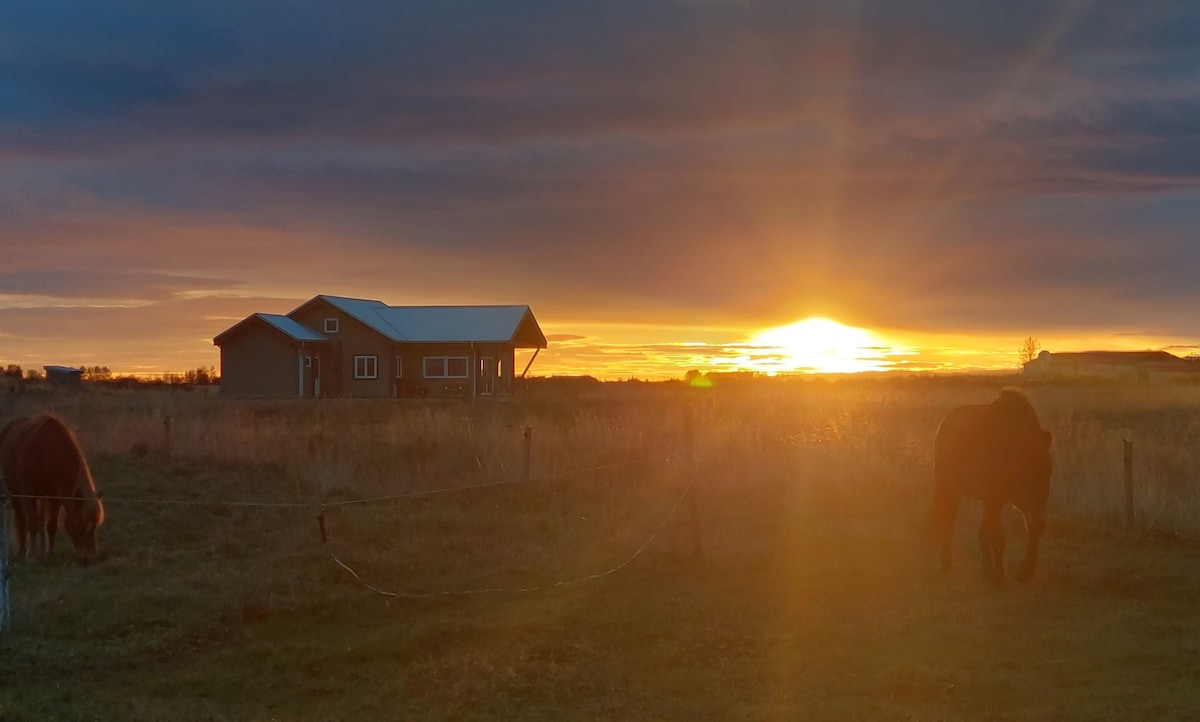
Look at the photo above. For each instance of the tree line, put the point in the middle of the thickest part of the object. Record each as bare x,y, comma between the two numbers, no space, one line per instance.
13,374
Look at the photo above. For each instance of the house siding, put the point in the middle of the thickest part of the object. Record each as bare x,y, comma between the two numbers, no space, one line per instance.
352,339
260,362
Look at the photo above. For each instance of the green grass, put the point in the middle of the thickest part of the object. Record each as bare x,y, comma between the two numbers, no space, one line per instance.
817,597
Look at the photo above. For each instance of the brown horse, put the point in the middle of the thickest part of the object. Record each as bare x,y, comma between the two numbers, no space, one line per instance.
47,475
999,454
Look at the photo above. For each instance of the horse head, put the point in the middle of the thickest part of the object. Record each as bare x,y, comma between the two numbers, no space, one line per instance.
82,521
1036,464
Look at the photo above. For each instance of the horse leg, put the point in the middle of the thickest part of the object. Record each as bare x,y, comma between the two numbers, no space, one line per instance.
19,526
24,516
945,513
39,529
53,507
999,543
991,543
1036,525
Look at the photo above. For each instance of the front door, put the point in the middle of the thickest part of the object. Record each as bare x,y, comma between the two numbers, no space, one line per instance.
486,375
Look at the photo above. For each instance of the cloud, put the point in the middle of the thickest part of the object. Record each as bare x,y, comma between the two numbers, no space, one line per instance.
78,283
927,165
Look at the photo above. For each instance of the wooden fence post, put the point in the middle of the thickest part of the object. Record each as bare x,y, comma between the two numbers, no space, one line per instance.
5,616
167,434
1128,484
528,451
689,451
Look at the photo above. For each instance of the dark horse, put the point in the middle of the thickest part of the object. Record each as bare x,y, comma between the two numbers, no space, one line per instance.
997,453
46,474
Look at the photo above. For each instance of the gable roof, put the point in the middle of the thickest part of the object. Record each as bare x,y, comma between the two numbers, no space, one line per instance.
287,326
66,370
442,324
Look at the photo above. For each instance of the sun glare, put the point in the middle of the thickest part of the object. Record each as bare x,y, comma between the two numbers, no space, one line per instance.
817,345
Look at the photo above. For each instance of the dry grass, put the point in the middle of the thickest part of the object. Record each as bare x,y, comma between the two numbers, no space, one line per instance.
815,598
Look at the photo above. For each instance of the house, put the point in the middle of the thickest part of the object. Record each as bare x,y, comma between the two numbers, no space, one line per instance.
338,346
1145,366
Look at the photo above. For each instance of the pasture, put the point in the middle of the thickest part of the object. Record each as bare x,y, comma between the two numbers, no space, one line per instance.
817,595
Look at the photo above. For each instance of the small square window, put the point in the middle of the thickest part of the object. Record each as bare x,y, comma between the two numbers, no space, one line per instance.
331,325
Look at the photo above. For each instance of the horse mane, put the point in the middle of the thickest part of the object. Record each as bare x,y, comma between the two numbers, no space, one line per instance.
1012,405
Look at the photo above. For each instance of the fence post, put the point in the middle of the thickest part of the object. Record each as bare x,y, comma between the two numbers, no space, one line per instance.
1128,483
689,451
167,434
528,451
5,615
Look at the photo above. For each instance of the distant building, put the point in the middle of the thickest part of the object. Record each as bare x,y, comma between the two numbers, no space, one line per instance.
337,346
64,377
1144,366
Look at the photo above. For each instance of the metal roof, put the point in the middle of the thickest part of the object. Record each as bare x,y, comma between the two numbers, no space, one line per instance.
286,325
496,324
444,324
62,370
290,327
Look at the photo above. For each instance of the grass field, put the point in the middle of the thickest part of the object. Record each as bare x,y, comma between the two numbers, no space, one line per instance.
817,596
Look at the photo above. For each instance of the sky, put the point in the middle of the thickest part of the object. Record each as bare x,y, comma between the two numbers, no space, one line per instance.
659,180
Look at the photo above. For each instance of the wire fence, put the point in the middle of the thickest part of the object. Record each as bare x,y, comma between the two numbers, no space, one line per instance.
535,588
319,507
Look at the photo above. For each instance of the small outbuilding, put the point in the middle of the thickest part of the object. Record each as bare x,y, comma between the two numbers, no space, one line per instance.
353,347
1140,366
64,377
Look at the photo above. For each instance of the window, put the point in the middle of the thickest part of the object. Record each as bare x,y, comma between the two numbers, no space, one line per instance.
308,362
446,367
366,367
399,367
331,325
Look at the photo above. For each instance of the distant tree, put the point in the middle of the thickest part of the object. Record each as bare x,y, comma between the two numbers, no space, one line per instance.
1029,350
202,376
34,375
13,371
96,373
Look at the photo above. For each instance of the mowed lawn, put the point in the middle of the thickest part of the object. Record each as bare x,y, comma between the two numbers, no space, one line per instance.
812,601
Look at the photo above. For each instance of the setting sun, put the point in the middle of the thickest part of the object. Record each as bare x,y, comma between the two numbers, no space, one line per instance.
817,345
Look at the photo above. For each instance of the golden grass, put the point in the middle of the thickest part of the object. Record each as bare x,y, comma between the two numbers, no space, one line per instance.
816,597
348,448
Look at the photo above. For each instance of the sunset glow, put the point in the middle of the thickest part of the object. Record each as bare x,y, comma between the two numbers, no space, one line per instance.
817,345
938,183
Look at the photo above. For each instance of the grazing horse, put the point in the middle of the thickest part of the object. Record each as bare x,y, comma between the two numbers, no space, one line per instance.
999,454
46,473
